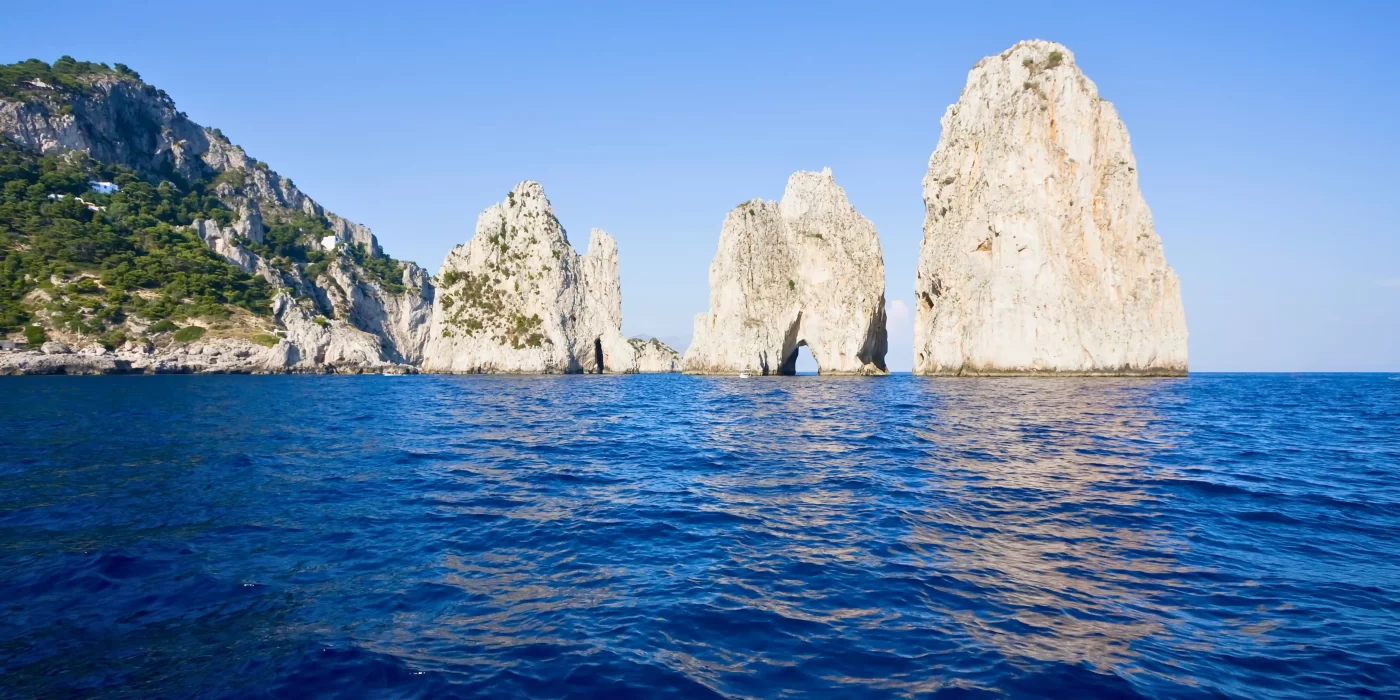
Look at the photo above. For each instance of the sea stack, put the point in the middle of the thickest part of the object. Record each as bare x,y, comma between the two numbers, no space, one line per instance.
517,298
1039,255
803,271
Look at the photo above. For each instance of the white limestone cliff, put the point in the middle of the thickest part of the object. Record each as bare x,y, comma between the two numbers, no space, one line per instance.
803,271
654,356
399,320
517,297
314,341
1039,254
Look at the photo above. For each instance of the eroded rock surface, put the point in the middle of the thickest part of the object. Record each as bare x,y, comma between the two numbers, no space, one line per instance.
313,340
517,297
803,271
1039,255
654,356
306,347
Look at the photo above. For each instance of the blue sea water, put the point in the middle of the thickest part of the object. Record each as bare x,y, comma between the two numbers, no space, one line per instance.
671,536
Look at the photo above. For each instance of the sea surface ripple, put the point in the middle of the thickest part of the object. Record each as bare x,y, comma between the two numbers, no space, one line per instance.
672,536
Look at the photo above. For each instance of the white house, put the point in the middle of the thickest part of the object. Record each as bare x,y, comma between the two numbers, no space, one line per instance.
103,187
328,242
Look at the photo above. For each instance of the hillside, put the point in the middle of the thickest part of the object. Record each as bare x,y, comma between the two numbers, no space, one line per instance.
121,219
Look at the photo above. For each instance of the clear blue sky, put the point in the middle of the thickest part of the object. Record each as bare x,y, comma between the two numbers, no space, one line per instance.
1266,134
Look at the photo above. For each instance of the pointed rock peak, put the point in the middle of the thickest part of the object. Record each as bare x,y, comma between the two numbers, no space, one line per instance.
809,180
809,191
528,187
1050,53
525,209
519,298
601,243
525,199
1029,67
527,194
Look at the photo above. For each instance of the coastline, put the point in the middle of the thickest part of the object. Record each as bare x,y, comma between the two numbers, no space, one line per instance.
85,363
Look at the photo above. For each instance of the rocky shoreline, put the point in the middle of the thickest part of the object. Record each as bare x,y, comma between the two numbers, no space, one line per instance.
218,357
1038,258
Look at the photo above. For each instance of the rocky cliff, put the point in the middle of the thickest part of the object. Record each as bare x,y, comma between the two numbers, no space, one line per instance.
803,271
1039,255
331,267
654,356
294,341
117,118
396,312
517,298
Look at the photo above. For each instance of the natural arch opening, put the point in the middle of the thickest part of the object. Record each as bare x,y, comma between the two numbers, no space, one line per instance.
598,355
799,361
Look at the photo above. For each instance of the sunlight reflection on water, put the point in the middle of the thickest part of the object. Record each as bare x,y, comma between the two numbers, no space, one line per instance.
567,536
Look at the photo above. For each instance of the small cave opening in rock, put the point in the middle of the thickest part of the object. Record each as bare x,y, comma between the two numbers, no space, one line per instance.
799,361
598,355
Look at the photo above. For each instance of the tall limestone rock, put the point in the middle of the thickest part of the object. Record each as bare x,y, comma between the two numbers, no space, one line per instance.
1039,255
803,271
517,298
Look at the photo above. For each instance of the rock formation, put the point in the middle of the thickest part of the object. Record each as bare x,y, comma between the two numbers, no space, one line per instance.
114,117
120,119
803,271
1039,255
302,343
654,356
517,298
311,342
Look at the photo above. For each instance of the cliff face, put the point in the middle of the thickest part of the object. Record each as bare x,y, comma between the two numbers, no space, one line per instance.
517,297
117,119
398,321
114,119
804,271
654,356
1039,254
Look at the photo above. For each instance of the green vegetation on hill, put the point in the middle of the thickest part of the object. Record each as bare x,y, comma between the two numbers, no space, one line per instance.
128,257
383,269
298,240
189,334
641,344
34,335
90,261
21,79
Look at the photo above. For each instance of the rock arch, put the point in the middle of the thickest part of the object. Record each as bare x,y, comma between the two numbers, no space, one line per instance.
789,364
803,271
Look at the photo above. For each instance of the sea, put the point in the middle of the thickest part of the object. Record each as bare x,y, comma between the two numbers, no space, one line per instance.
1213,536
